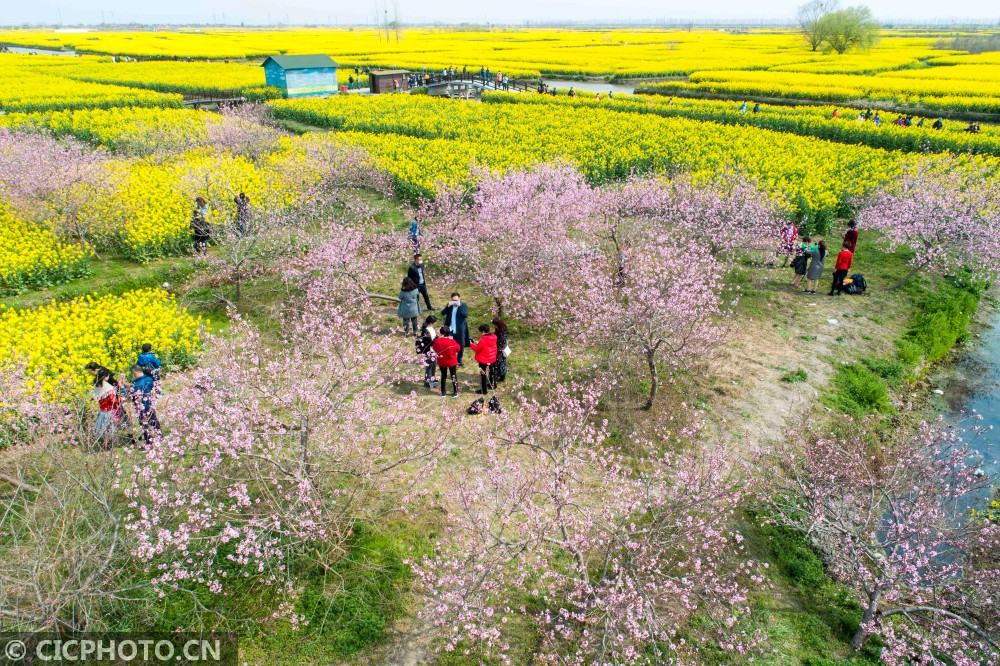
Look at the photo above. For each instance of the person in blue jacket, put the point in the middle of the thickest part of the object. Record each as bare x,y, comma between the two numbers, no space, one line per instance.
142,391
148,362
456,318
415,233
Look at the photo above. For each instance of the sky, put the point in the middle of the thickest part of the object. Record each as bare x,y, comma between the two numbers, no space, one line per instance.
324,12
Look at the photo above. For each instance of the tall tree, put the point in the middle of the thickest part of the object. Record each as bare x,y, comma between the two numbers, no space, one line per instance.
611,561
808,17
515,241
891,520
851,28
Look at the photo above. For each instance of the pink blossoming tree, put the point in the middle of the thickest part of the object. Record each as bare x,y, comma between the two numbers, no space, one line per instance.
276,449
890,519
610,560
666,307
946,214
515,241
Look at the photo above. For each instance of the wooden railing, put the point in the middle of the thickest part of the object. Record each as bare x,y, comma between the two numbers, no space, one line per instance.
515,85
212,96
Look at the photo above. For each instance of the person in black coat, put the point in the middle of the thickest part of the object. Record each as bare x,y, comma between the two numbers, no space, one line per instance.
456,318
416,273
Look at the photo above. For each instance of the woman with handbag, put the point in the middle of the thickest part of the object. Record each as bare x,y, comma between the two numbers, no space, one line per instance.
498,370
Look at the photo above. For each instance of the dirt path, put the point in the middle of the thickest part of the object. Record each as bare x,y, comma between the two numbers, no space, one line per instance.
783,331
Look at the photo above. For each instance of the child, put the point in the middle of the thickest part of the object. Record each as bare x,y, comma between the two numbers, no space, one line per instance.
447,358
843,265
800,261
424,342
788,235
148,362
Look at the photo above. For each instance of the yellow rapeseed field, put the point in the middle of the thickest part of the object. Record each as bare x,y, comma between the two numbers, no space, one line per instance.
57,340
32,257
422,141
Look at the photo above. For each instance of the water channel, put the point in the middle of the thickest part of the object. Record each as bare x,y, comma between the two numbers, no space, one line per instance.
590,86
972,386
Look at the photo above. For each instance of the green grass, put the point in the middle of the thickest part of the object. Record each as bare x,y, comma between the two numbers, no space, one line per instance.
111,275
795,376
858,391
348,608
816,617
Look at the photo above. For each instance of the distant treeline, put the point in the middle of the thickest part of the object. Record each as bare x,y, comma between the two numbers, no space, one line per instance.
971,43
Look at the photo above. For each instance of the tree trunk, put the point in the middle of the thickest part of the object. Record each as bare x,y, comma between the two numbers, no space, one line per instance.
862,633
906,277
499,307
653,378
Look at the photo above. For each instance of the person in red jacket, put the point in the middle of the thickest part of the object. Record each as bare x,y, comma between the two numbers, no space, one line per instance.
844,260
447,349
486,355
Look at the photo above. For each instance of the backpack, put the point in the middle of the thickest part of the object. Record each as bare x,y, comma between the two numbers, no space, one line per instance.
858,285
476,407
494,405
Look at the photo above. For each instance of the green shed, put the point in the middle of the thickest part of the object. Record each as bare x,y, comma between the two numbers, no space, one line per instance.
301,75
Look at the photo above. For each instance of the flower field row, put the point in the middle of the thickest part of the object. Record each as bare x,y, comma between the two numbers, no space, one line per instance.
816,178
518,52
32,257
28,90
817,121
945,95
56,341
127,130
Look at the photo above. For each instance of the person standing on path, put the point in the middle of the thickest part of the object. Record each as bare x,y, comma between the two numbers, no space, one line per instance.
800,262
409,305
456,319
844,260
486,355
414,234
851,236
242,202
200,230
446,349
149,362
817,255
498,371
416,273
142,391
110,412
789,233
424,344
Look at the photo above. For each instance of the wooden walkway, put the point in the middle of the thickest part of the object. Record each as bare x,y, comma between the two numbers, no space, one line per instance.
198,98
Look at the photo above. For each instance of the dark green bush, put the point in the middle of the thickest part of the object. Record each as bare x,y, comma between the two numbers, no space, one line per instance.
419,90
891,370
859,391
942,321
794,376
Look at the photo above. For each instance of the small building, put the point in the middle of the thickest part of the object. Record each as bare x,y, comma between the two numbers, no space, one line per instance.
301,75
388,80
